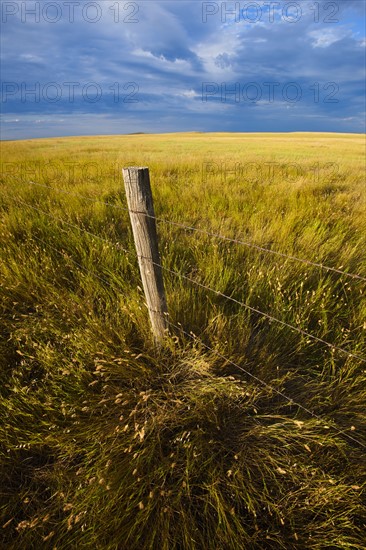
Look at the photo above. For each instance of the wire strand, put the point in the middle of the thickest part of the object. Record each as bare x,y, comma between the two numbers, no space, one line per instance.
257,379
254,377
212,234
117,245
76,263
217,292
254,310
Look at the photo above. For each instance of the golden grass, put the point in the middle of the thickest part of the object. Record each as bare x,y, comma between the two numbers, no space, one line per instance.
108,443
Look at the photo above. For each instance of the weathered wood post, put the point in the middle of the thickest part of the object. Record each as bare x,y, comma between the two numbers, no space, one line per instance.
142,216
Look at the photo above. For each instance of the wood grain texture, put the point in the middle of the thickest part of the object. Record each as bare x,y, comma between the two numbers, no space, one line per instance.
141,207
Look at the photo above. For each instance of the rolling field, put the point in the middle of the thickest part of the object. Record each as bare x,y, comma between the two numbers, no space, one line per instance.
240,432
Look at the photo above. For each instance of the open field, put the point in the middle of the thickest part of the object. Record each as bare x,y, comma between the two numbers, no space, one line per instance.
108,443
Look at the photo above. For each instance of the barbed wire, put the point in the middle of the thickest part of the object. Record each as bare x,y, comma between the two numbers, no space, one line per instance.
265,384
82,229
263,249
254,310
218,293
78,195
63,253
239,367
211,234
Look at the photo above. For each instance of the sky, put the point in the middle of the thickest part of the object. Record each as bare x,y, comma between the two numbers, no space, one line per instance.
116,67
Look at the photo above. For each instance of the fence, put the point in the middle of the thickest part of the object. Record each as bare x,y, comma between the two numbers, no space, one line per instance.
143,221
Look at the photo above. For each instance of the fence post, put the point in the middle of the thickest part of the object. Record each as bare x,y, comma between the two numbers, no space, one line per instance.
141,207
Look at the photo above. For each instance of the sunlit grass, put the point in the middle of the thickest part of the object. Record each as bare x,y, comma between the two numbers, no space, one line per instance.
109,443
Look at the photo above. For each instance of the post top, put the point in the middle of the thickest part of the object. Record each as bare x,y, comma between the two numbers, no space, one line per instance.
135,168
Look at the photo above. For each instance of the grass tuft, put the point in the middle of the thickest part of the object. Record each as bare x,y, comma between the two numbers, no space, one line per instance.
107,442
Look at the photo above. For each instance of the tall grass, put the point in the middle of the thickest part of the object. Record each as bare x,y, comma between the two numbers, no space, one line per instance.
109,443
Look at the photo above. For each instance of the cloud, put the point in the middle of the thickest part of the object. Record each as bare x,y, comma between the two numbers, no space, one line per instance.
223,60
149,74
322,38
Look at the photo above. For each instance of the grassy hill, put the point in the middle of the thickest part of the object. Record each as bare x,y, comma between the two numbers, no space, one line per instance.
109,443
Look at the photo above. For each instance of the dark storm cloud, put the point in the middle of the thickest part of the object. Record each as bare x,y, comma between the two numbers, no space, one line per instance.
144,67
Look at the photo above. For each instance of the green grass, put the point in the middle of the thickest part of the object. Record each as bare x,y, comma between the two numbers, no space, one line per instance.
107,442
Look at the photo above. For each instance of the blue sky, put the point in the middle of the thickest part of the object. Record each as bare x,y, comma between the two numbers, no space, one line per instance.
115,67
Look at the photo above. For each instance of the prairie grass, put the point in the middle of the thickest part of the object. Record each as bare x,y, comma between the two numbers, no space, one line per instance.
107,442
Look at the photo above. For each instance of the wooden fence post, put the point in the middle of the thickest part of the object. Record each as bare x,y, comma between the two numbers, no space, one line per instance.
141,207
